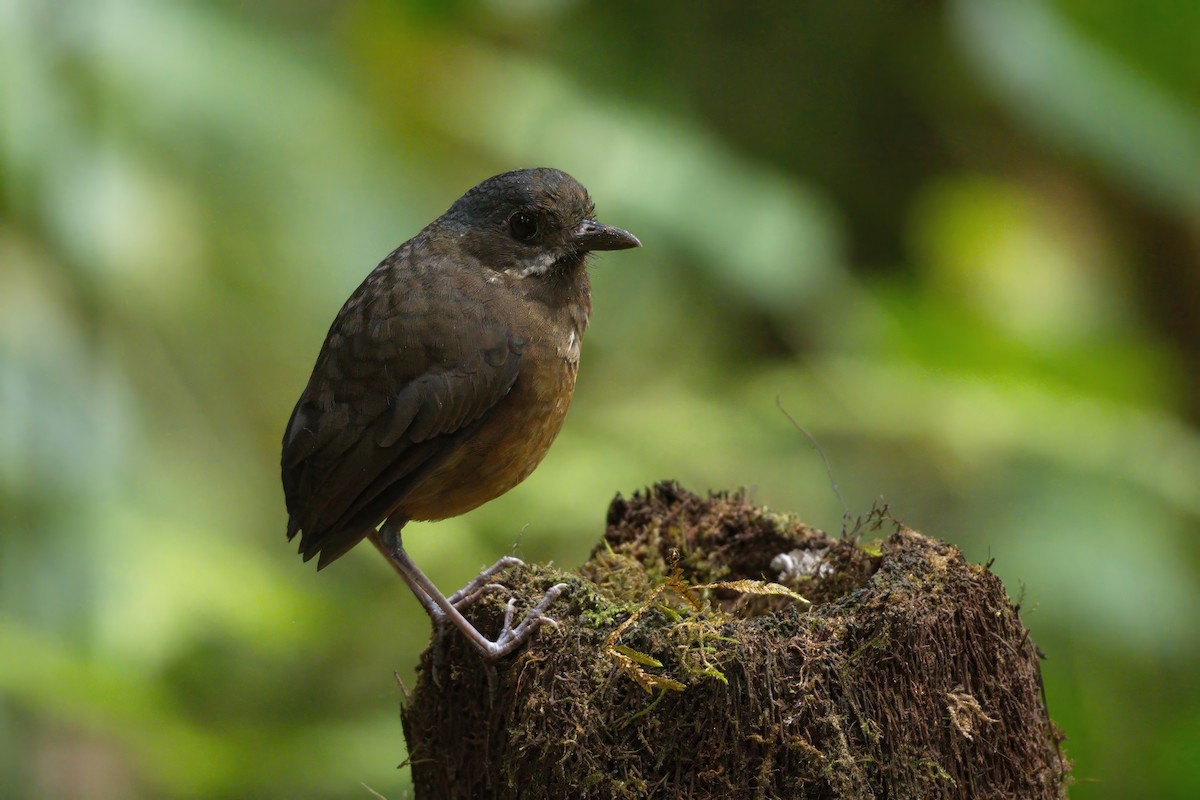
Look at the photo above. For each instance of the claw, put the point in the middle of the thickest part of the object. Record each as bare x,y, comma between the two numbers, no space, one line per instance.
471,599
473,588
510,638
508,615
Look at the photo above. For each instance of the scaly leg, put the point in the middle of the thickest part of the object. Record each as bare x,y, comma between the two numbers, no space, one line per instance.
442,609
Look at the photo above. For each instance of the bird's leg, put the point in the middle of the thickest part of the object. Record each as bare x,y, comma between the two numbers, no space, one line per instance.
461,599
387,539
436,615
435,612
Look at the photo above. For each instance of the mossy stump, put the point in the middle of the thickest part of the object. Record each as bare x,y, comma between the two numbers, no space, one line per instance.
909,676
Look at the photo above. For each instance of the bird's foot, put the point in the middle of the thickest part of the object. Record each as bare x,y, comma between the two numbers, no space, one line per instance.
510,637
461,599
481,583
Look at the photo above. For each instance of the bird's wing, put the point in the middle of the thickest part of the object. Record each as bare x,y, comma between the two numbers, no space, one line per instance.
409,367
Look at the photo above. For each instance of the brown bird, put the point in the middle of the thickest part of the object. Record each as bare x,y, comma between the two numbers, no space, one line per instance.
445,378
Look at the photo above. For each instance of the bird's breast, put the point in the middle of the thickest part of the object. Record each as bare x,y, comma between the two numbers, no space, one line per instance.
568,347
513,437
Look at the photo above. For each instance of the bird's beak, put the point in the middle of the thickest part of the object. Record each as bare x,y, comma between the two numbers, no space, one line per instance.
591,235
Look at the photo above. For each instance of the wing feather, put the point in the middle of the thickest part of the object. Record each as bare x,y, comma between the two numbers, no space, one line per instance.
396,388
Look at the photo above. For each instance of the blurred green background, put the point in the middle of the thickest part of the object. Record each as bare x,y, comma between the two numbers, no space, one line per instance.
959,241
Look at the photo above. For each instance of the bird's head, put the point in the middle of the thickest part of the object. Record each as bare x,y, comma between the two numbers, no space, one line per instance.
531,223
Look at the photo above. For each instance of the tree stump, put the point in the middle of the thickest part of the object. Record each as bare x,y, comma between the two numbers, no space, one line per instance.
910,675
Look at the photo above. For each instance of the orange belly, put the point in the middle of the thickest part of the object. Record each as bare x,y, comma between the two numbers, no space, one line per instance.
509,445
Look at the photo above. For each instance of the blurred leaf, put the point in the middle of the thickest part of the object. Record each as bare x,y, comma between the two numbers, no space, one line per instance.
876,215
1021,261
1082,99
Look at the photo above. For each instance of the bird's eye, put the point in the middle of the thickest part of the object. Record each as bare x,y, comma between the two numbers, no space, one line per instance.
523,226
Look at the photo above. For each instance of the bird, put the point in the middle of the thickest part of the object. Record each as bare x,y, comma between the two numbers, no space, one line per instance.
444,379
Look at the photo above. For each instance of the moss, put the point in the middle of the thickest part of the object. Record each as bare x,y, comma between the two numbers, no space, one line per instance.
910,675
